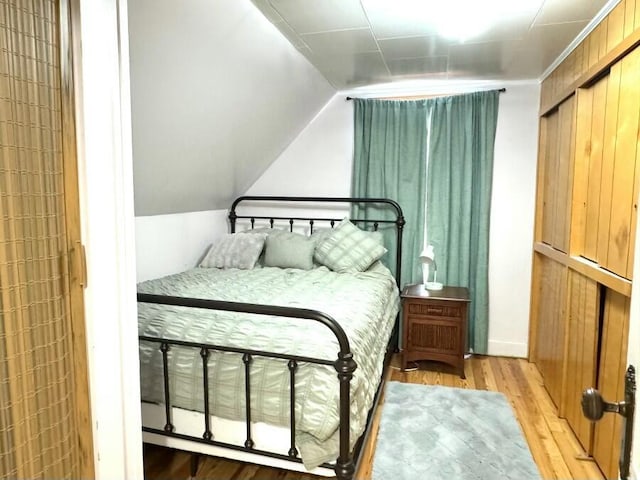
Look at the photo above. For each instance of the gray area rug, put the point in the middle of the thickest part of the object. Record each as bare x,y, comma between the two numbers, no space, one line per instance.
433,432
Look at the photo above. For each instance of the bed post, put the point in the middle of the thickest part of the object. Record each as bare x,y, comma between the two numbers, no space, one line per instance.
345,366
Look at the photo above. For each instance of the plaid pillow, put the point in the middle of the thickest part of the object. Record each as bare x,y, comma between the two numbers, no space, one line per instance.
235,250
348,249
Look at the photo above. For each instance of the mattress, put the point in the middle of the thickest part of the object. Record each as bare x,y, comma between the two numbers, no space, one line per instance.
365,304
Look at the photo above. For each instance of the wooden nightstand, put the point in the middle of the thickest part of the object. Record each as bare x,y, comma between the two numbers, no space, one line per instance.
434,325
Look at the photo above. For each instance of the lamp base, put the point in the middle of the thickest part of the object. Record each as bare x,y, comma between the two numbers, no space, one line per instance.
433,286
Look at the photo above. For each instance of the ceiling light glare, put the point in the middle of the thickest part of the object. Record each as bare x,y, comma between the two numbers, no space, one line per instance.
457,20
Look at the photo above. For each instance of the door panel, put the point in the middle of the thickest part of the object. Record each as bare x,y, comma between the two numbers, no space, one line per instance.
613,358
622,200
558,175
551,326
581,355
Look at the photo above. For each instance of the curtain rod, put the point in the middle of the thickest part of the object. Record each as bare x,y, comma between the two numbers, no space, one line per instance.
501,90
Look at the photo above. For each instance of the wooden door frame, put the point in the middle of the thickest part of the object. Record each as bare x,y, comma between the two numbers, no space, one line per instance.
105,178
75,251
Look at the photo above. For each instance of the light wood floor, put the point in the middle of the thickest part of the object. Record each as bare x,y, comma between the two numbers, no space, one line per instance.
553,445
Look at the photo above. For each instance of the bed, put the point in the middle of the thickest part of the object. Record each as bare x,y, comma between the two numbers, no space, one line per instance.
281,362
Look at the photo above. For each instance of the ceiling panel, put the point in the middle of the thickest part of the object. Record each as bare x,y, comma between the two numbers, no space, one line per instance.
360,42
485,59
544,43
354,70
341,42
567,11
408,47
388,22
310,16
429,67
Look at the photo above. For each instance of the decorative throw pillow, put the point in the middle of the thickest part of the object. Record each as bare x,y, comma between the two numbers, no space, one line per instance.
235,250
349,249
289,250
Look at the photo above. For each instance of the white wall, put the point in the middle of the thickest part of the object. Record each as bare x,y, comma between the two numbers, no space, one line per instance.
167,244
319,162
217,94
512,218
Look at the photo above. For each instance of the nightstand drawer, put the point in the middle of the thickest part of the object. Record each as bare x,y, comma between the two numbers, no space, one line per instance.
434,336
434,309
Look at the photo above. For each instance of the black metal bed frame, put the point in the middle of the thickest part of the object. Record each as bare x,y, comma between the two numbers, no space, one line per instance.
348,460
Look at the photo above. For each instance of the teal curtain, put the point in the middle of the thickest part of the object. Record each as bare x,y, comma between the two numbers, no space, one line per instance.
390,147
460,169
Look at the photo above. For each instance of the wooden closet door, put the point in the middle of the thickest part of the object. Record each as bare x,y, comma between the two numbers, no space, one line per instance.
45,426
606,178
551,326
558,175
613,358
581,353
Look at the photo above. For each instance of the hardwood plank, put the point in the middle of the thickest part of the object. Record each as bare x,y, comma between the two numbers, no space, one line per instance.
615,27
634,211
594,45
581,353
608,157
624,167
550,175
599,91
545,454
571,450
629,17
604,35
564,176
540,178
534,306
584,107
594,71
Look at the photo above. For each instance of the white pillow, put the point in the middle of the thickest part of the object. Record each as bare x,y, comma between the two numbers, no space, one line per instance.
235,250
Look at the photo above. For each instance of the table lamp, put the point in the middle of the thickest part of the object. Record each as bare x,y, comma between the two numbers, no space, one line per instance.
428,258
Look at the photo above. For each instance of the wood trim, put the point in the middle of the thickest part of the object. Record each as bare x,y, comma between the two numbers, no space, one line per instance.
542,165
76,285
592,74
534,308
587,268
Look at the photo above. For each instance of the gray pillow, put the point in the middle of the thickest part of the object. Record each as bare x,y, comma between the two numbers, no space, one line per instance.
235,250
349,249
289,250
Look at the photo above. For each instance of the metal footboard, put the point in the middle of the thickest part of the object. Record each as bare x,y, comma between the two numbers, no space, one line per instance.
344,366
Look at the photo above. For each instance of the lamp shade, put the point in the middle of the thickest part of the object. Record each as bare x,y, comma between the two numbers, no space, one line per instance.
427,255
428,259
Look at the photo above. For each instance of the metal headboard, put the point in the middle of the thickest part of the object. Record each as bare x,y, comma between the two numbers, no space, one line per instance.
319,201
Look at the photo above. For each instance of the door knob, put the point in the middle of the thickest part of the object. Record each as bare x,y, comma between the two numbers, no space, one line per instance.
594,406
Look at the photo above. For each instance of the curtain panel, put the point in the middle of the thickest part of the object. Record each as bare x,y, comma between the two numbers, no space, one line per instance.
389,161
459,178
435,157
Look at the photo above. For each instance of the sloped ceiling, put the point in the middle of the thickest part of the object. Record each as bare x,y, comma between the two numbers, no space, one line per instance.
362,42
217,94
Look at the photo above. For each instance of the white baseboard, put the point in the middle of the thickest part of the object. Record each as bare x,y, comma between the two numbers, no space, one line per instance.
507,349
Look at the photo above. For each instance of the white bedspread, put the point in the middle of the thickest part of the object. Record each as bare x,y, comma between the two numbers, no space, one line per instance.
365,304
